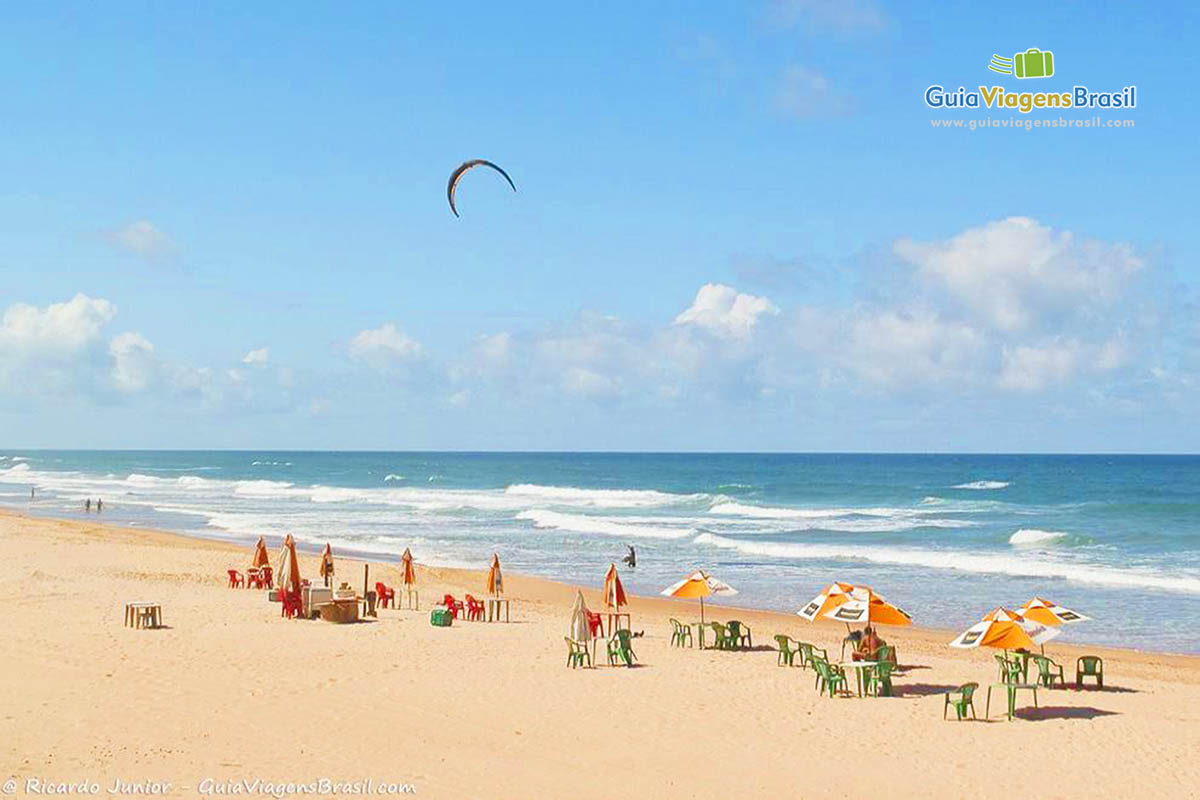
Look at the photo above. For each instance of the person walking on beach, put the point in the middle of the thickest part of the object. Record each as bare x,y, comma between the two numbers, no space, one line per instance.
99,504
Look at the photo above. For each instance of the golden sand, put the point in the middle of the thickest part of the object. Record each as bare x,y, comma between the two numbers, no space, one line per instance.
231,692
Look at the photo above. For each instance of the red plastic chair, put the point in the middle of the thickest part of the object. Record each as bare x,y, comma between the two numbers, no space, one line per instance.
253,579
267,577
595,624
291,605
384,595
455,606
474,609
235,579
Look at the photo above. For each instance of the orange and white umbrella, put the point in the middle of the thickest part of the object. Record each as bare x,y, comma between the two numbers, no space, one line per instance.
1004,630
866,607
699,585
495,580
1049,613
327,563
261,558
614,592
834,595
406,564
289,567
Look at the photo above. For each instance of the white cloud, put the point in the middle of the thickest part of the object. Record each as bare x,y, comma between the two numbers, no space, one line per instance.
134,364
141,238
724,311
1029,368
257,358
1016,274
384,346
59,328
897,347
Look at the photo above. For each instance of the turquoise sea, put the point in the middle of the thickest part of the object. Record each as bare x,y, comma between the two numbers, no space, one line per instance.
944,536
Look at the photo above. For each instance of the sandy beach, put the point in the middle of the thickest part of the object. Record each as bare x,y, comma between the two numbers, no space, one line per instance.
229,691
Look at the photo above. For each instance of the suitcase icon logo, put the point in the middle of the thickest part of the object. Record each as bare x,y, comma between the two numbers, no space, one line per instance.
1033,63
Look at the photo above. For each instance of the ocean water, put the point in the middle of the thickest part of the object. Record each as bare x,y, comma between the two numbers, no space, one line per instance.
946,537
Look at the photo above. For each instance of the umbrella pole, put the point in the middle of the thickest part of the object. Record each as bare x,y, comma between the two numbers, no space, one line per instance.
701,610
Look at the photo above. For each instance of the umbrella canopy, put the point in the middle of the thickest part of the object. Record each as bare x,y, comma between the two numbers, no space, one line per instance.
699,585
834,595
495,580
1004,630
288,573
614,592
580,630
327,562
1049,613
406,564
261,558
864,606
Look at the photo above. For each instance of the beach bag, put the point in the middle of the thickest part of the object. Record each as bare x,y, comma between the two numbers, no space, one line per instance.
440,618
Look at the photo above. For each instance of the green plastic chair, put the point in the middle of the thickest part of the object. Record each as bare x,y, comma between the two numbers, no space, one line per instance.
1049,671
620,648
681,634
886,653
1010,671
965,700
787,656
879,679
722,639
829,677
577,653
740,634
1089,667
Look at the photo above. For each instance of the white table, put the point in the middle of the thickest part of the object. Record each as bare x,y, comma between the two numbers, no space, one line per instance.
858,667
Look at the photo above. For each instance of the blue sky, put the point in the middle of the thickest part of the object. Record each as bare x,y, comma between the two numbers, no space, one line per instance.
735,229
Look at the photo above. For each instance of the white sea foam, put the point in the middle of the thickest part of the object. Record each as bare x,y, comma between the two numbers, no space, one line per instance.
579,523
599,498
982,485
1034,536
393,477
966,562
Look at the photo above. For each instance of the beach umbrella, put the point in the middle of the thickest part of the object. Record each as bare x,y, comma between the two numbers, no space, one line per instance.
261,558
614,592
289,567
406,564
580,630
327,564
834,595
866,607
699,585
1004,630
1049,613
495,580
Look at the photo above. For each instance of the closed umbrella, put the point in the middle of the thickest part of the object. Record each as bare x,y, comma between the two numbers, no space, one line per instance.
495,580
289,567
699,585
261,558
614,592
409,577
580,630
